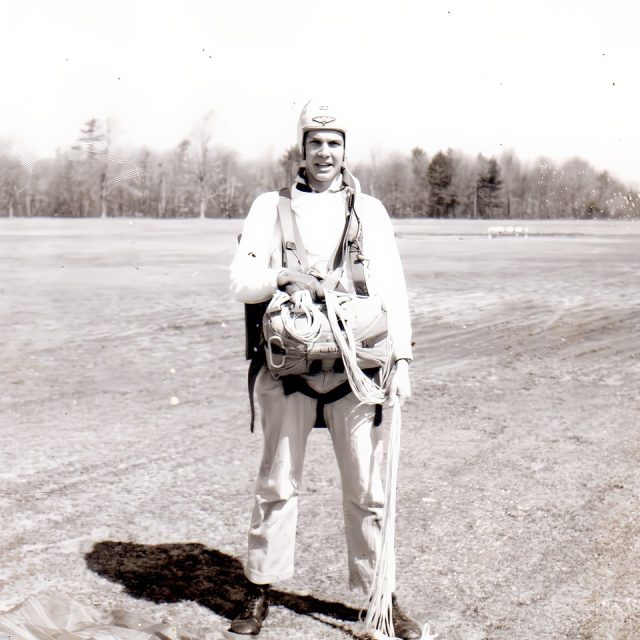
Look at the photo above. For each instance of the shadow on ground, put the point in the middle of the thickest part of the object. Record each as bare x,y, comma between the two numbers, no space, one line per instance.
189,571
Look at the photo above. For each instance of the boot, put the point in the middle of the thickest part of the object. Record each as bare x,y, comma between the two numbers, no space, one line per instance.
254,610
403,626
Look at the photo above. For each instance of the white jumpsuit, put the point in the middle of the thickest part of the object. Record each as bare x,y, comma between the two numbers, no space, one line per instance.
288,420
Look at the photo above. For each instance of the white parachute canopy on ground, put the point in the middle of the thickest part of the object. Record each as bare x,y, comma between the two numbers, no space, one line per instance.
56,615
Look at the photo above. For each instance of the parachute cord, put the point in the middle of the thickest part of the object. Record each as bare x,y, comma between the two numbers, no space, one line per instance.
303,307
379,613
379,618
365,389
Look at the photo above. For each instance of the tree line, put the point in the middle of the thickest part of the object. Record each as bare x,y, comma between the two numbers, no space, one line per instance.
453,185
198,179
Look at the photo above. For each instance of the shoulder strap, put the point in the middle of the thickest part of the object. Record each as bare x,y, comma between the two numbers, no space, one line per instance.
351,245
294,255
257,362
357,259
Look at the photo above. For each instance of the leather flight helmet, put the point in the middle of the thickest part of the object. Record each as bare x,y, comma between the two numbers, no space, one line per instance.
318,115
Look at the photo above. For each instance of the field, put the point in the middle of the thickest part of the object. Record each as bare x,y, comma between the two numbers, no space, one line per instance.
124,425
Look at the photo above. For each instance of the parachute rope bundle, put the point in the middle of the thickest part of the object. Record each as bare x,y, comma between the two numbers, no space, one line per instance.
302,306
379,615
298,331
379,618
363,387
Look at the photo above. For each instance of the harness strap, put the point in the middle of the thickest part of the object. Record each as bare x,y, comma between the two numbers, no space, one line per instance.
257,362
351,245
297,384
357,260
338,255
294,254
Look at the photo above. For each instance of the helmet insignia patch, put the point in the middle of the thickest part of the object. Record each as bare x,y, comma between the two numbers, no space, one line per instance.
323,120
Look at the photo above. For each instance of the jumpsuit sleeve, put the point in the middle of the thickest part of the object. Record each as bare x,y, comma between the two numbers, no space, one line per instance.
385,268
252,276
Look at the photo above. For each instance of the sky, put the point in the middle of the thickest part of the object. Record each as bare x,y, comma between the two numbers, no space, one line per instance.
554,78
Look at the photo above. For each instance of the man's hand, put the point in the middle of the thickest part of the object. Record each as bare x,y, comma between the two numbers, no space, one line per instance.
400,384
292,281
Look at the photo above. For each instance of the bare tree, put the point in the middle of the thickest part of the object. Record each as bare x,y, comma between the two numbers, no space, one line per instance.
290,162
204,163
419,190
15,178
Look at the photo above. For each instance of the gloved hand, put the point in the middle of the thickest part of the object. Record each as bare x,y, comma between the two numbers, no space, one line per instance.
292,281
399,383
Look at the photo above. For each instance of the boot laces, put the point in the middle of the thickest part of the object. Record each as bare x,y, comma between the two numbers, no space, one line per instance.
251,604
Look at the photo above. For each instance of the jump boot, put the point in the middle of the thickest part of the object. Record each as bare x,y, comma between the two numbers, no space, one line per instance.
254,610
404,627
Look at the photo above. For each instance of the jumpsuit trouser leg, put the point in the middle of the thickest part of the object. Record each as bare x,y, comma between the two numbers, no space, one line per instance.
358,447
287,422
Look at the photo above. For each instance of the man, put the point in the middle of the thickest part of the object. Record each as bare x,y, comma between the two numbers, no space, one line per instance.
322,199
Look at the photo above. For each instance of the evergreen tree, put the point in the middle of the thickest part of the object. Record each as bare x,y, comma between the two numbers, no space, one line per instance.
442,198
488,190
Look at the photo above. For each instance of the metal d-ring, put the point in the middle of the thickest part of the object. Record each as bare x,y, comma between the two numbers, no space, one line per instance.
278,341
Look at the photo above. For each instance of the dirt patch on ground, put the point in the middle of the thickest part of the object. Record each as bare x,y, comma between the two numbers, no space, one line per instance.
125,426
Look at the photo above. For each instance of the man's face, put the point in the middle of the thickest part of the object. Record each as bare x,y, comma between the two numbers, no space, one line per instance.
324,157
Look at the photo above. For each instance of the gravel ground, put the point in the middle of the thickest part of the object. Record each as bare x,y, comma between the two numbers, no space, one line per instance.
126,462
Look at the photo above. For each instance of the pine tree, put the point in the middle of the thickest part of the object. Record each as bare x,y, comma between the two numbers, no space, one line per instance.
442,198
489,185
